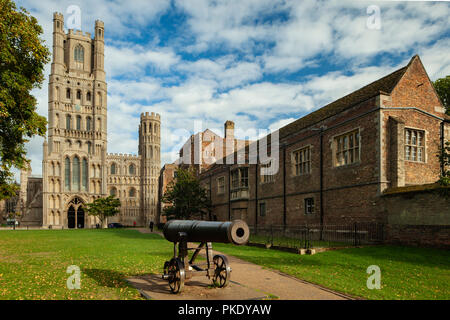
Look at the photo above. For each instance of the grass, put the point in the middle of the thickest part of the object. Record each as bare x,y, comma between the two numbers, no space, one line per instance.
406,272
33,265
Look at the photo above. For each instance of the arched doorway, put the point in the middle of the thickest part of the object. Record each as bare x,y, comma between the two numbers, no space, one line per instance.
80,218
75,214
71,217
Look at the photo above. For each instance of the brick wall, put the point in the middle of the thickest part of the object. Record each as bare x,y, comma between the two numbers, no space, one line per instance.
352,192
420,218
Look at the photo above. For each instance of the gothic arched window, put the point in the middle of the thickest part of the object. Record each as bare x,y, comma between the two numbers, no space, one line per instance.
113,191
78,122
79,53
68,121
88,96
132,193
76,174
68,92
67,174
85,174
88,124
113,168
132,169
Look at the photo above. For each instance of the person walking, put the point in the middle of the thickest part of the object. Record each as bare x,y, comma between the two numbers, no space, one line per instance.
151,226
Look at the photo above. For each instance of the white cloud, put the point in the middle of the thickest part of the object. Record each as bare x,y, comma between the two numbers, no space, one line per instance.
133,60
228,59
226,71
214,22
436,59
120,17
280,123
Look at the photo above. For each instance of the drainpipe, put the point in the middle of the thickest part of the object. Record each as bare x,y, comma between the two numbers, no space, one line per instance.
442,142
210,196
229,192
256,195
321,178
284,186
321,183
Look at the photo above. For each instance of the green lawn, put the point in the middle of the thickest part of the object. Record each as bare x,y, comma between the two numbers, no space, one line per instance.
33,265
406,273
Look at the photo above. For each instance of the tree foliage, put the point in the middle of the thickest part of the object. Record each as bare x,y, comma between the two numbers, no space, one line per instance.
22,60
442,87
186,197
103,208
444,159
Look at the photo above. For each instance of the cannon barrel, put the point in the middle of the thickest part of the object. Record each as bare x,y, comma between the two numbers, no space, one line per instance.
236,232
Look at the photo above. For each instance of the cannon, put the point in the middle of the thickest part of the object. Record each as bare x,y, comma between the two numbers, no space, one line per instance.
216,268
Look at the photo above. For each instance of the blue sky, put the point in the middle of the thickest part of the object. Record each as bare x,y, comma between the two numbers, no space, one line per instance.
260,63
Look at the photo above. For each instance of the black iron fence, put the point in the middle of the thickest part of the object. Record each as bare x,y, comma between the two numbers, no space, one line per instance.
316,236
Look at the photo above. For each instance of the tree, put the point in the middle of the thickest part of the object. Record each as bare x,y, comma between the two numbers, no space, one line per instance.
444,159
103,208
22,60
442,87
186,197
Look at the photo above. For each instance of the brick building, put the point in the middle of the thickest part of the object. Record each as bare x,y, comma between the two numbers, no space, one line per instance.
213,148
336,162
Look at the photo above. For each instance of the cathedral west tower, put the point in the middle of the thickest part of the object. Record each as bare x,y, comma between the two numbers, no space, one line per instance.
76,168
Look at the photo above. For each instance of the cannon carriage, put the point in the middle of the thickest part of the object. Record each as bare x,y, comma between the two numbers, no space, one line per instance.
216,268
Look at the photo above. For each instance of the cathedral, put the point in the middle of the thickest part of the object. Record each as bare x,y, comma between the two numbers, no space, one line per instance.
76,168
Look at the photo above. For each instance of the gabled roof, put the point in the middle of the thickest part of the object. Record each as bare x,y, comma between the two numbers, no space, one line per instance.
383,85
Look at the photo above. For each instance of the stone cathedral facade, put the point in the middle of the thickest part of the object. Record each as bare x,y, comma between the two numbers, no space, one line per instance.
76,166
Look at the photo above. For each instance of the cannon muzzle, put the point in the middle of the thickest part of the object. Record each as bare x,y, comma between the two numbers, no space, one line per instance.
236,232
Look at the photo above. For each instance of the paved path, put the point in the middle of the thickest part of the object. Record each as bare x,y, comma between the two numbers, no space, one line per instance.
248,281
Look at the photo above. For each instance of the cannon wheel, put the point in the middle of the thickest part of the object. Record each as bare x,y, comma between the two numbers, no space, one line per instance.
222,271
166,268
176,274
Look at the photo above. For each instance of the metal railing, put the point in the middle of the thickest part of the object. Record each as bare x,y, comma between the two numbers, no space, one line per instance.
316,236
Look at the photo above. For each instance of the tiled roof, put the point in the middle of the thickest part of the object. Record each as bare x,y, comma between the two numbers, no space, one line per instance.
384,85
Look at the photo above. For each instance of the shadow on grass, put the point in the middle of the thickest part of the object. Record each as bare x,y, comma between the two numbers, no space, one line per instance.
107,278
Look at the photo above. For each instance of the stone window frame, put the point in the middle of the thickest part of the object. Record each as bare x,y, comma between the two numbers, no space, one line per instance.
89,123
266,178
78,53
309,205
219,186
294,164
68,122
115,169
132,172
78,121
425,144
113,191
333,141
242,181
